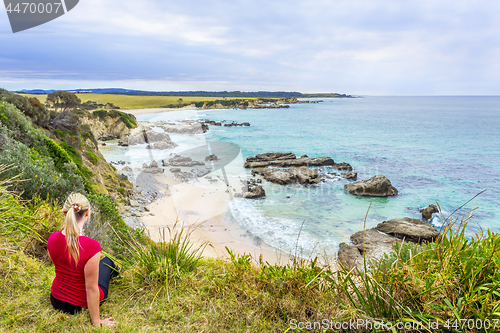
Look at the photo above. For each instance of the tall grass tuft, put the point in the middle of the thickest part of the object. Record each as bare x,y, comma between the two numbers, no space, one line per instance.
165,261
14,222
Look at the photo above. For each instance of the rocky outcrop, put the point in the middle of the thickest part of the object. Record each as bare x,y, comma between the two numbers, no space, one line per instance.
377,186
301,175
143,135
178,160
251,190
236,124
284,160
411,230
372,244
180,127
427,212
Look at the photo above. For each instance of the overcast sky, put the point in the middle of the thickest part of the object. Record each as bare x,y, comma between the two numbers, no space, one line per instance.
374,47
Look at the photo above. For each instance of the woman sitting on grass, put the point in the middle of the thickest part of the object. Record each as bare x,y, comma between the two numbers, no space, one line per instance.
81,279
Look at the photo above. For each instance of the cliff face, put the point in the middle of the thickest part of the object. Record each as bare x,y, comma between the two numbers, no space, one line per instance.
109,125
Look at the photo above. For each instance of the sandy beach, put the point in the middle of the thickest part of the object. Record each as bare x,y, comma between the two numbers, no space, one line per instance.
158,110
202,206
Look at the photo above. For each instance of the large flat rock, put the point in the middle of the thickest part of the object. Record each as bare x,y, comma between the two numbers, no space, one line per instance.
408,229
302,175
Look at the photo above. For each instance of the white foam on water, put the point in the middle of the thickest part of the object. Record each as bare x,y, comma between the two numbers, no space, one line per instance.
281,233
436,221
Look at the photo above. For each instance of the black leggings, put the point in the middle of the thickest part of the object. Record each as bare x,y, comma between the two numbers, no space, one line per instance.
107,270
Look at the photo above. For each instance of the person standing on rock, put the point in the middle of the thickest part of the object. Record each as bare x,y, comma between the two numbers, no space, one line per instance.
82,280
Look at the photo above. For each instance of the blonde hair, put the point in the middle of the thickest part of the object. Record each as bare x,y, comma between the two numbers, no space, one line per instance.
75,207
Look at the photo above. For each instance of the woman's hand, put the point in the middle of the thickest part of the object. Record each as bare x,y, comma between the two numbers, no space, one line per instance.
107,322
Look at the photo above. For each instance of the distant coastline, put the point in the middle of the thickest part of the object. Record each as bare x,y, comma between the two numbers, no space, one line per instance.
198,93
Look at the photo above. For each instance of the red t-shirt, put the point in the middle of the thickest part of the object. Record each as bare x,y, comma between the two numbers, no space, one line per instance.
69,283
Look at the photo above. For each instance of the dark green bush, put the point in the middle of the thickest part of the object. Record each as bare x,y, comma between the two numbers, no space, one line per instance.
31,107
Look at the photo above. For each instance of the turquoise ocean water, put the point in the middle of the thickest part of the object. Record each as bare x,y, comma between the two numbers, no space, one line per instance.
433,149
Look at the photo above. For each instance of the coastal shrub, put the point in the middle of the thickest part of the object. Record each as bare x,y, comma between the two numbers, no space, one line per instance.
31,107
38,174
74,154
128,119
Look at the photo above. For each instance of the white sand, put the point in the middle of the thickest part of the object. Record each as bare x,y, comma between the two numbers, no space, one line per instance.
158,110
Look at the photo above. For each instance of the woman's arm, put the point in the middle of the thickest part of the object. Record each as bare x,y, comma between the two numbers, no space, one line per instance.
91,279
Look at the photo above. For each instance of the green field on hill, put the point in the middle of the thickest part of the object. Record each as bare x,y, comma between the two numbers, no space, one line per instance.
137,102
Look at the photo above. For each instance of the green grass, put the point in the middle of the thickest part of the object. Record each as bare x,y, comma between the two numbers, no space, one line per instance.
136,102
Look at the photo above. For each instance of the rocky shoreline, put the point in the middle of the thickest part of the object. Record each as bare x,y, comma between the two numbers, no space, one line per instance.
275,167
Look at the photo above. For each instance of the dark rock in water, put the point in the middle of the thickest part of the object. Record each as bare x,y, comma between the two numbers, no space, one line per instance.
302,175
408,229
178,160
149,146
123,142
174,170
251,191
164,163
377,186
342,166
284,160
427,212
350,175
271,157
211,157
284,163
